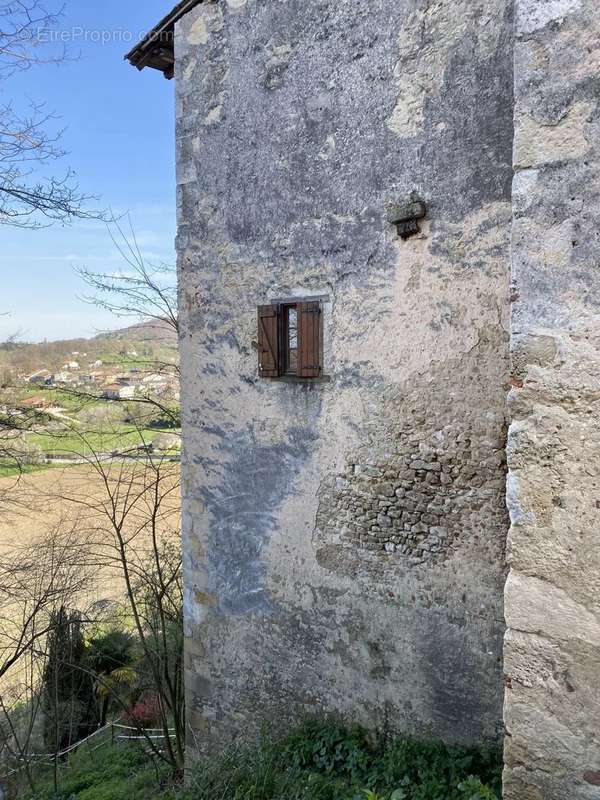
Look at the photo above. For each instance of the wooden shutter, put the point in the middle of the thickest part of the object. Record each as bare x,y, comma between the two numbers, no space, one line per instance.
268,342
310,340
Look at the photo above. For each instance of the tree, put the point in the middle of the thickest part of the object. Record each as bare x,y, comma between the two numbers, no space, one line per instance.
142,290
10,437
36,579
15,453
131,527
111,658
126,527
68,699
27,141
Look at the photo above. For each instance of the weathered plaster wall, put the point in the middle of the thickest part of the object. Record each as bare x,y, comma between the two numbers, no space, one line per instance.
553,592
299,121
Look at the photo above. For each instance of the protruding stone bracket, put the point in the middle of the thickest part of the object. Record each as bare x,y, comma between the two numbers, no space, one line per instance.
405,216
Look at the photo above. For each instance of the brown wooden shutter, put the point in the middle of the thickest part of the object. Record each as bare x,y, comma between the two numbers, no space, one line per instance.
310,340
268,342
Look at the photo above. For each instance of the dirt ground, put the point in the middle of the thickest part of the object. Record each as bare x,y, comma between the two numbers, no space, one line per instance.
79,507
83,495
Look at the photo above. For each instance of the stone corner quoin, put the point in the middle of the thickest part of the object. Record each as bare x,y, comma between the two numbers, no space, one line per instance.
552,647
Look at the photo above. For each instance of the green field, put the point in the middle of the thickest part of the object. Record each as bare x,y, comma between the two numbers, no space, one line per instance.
75,442
10,469
84,426
88,442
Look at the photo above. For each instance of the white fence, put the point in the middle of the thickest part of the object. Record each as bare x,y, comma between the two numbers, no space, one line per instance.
112,731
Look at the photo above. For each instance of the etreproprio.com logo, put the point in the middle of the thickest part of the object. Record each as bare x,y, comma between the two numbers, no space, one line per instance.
80,35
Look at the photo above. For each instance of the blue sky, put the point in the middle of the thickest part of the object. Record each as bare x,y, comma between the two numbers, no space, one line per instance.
120,141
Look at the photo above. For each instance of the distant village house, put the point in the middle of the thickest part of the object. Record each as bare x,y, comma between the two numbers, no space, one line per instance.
115,391
42,377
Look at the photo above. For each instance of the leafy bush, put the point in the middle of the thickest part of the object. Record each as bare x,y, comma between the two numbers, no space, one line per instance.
434,771
473,789
329,748
326,761
144,714
111,650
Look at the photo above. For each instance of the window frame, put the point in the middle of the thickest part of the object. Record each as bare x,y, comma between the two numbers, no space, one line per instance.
282,307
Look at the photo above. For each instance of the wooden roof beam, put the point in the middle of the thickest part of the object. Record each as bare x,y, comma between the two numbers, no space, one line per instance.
157,49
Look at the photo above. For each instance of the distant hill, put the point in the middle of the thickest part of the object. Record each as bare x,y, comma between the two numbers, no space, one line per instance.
150,331
143,342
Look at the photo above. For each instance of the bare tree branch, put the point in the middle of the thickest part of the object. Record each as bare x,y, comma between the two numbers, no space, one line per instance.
141,290
35,580
28,199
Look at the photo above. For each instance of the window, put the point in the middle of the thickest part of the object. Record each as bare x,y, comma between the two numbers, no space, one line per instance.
290,340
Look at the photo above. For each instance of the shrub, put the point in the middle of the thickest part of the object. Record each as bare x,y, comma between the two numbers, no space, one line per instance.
434,771
329,748
317,761
144,714
326,761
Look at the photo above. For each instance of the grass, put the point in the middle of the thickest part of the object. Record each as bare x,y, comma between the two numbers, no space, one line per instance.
110,773
64,398
87,426
318,761
117,438
9,469
71,443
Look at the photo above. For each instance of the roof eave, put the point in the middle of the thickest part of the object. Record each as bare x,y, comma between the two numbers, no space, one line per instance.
157,49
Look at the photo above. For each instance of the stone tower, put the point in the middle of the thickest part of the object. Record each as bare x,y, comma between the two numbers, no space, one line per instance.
351,176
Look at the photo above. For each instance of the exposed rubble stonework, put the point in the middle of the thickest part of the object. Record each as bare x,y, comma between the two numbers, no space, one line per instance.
344,539
420,478
552,651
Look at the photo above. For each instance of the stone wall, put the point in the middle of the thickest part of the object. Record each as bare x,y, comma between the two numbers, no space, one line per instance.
420,477
552,652
344,540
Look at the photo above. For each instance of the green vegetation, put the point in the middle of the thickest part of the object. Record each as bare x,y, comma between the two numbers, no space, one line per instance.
72,443
325,761
318,761
88,425
64,398
9,468
74,419
69,444
68,698
110,772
